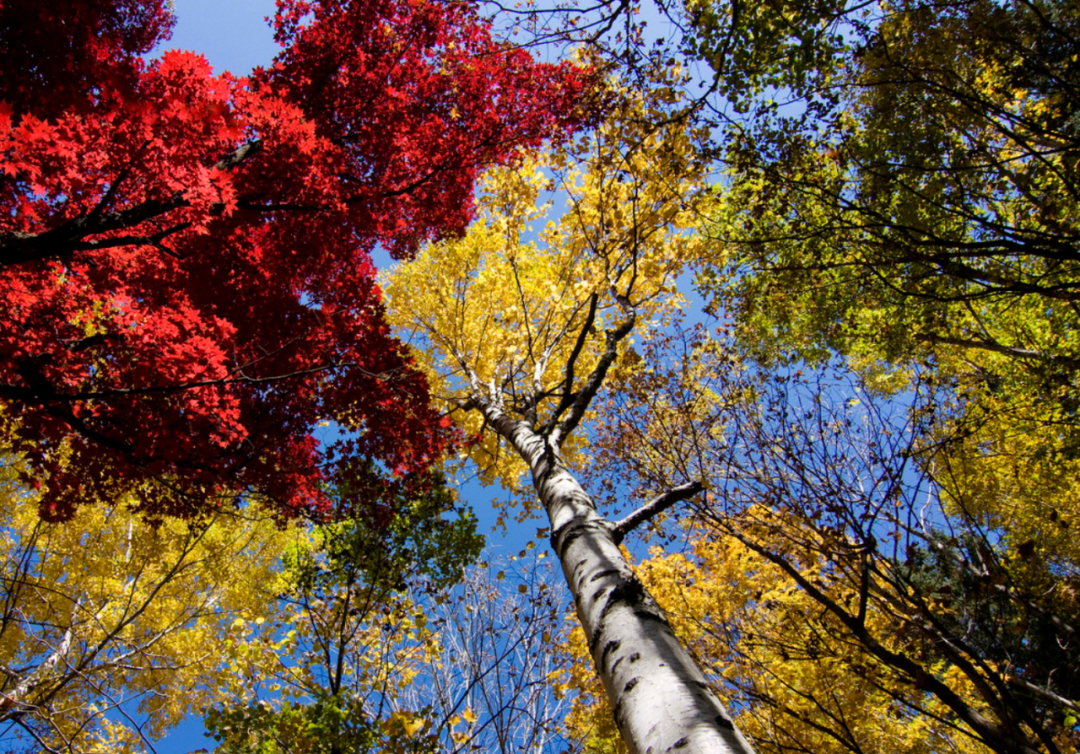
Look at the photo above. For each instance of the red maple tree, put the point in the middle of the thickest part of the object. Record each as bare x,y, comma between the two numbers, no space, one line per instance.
186,289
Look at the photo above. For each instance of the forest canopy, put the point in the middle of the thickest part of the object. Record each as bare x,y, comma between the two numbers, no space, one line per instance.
763,317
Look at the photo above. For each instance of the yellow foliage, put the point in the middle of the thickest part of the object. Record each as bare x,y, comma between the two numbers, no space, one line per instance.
951,591
789,670
499,312
111,607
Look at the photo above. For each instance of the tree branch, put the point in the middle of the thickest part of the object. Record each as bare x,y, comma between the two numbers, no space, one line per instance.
584,397
654,507
67,238
568,396
1044,693
989,345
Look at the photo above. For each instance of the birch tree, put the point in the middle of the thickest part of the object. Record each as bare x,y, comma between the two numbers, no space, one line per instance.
518,336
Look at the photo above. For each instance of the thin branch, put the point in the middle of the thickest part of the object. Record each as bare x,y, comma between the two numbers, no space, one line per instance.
596,378
567,399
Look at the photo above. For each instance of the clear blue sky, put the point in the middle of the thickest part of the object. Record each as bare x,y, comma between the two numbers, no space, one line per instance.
232,34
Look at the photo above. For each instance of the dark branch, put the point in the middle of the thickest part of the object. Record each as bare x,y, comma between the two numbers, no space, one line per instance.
989,345
592,385
238,155
569,395
68,238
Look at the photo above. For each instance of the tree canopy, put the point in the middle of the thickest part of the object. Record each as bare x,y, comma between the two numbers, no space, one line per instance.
105,618
886,421
859,463
186,280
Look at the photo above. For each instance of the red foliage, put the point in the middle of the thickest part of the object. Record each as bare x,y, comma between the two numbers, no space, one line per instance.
56,55
185,282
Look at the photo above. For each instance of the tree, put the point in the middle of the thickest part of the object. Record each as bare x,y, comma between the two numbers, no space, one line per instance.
487,688
518,339
939,181
407,647
110,624
928,219
825,558
186,284
345,637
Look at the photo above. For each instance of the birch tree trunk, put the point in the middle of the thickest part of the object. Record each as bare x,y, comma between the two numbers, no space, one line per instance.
661,700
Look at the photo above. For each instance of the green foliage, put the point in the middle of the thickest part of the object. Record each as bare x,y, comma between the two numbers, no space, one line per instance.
328,725
981,605
328,673
932,212
416,534
760,48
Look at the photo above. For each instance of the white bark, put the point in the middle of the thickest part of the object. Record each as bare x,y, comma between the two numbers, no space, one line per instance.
661,700
14,703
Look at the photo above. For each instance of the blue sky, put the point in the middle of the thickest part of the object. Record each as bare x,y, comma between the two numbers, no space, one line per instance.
232,34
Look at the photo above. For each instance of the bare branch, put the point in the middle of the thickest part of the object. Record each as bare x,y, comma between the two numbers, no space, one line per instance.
592,386
567,399
654,507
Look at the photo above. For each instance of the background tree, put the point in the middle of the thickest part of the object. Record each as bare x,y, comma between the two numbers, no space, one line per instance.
924,222
111,624
826,562
936,187
186,283
416,651
347,636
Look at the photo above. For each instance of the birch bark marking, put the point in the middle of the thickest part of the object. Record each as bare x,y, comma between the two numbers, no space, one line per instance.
661,701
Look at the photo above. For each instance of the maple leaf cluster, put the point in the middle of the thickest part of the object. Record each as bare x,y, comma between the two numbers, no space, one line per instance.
186,289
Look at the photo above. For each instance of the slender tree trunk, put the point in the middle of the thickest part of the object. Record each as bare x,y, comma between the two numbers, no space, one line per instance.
661,700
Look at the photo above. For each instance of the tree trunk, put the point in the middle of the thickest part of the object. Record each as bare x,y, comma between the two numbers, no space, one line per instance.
661,700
